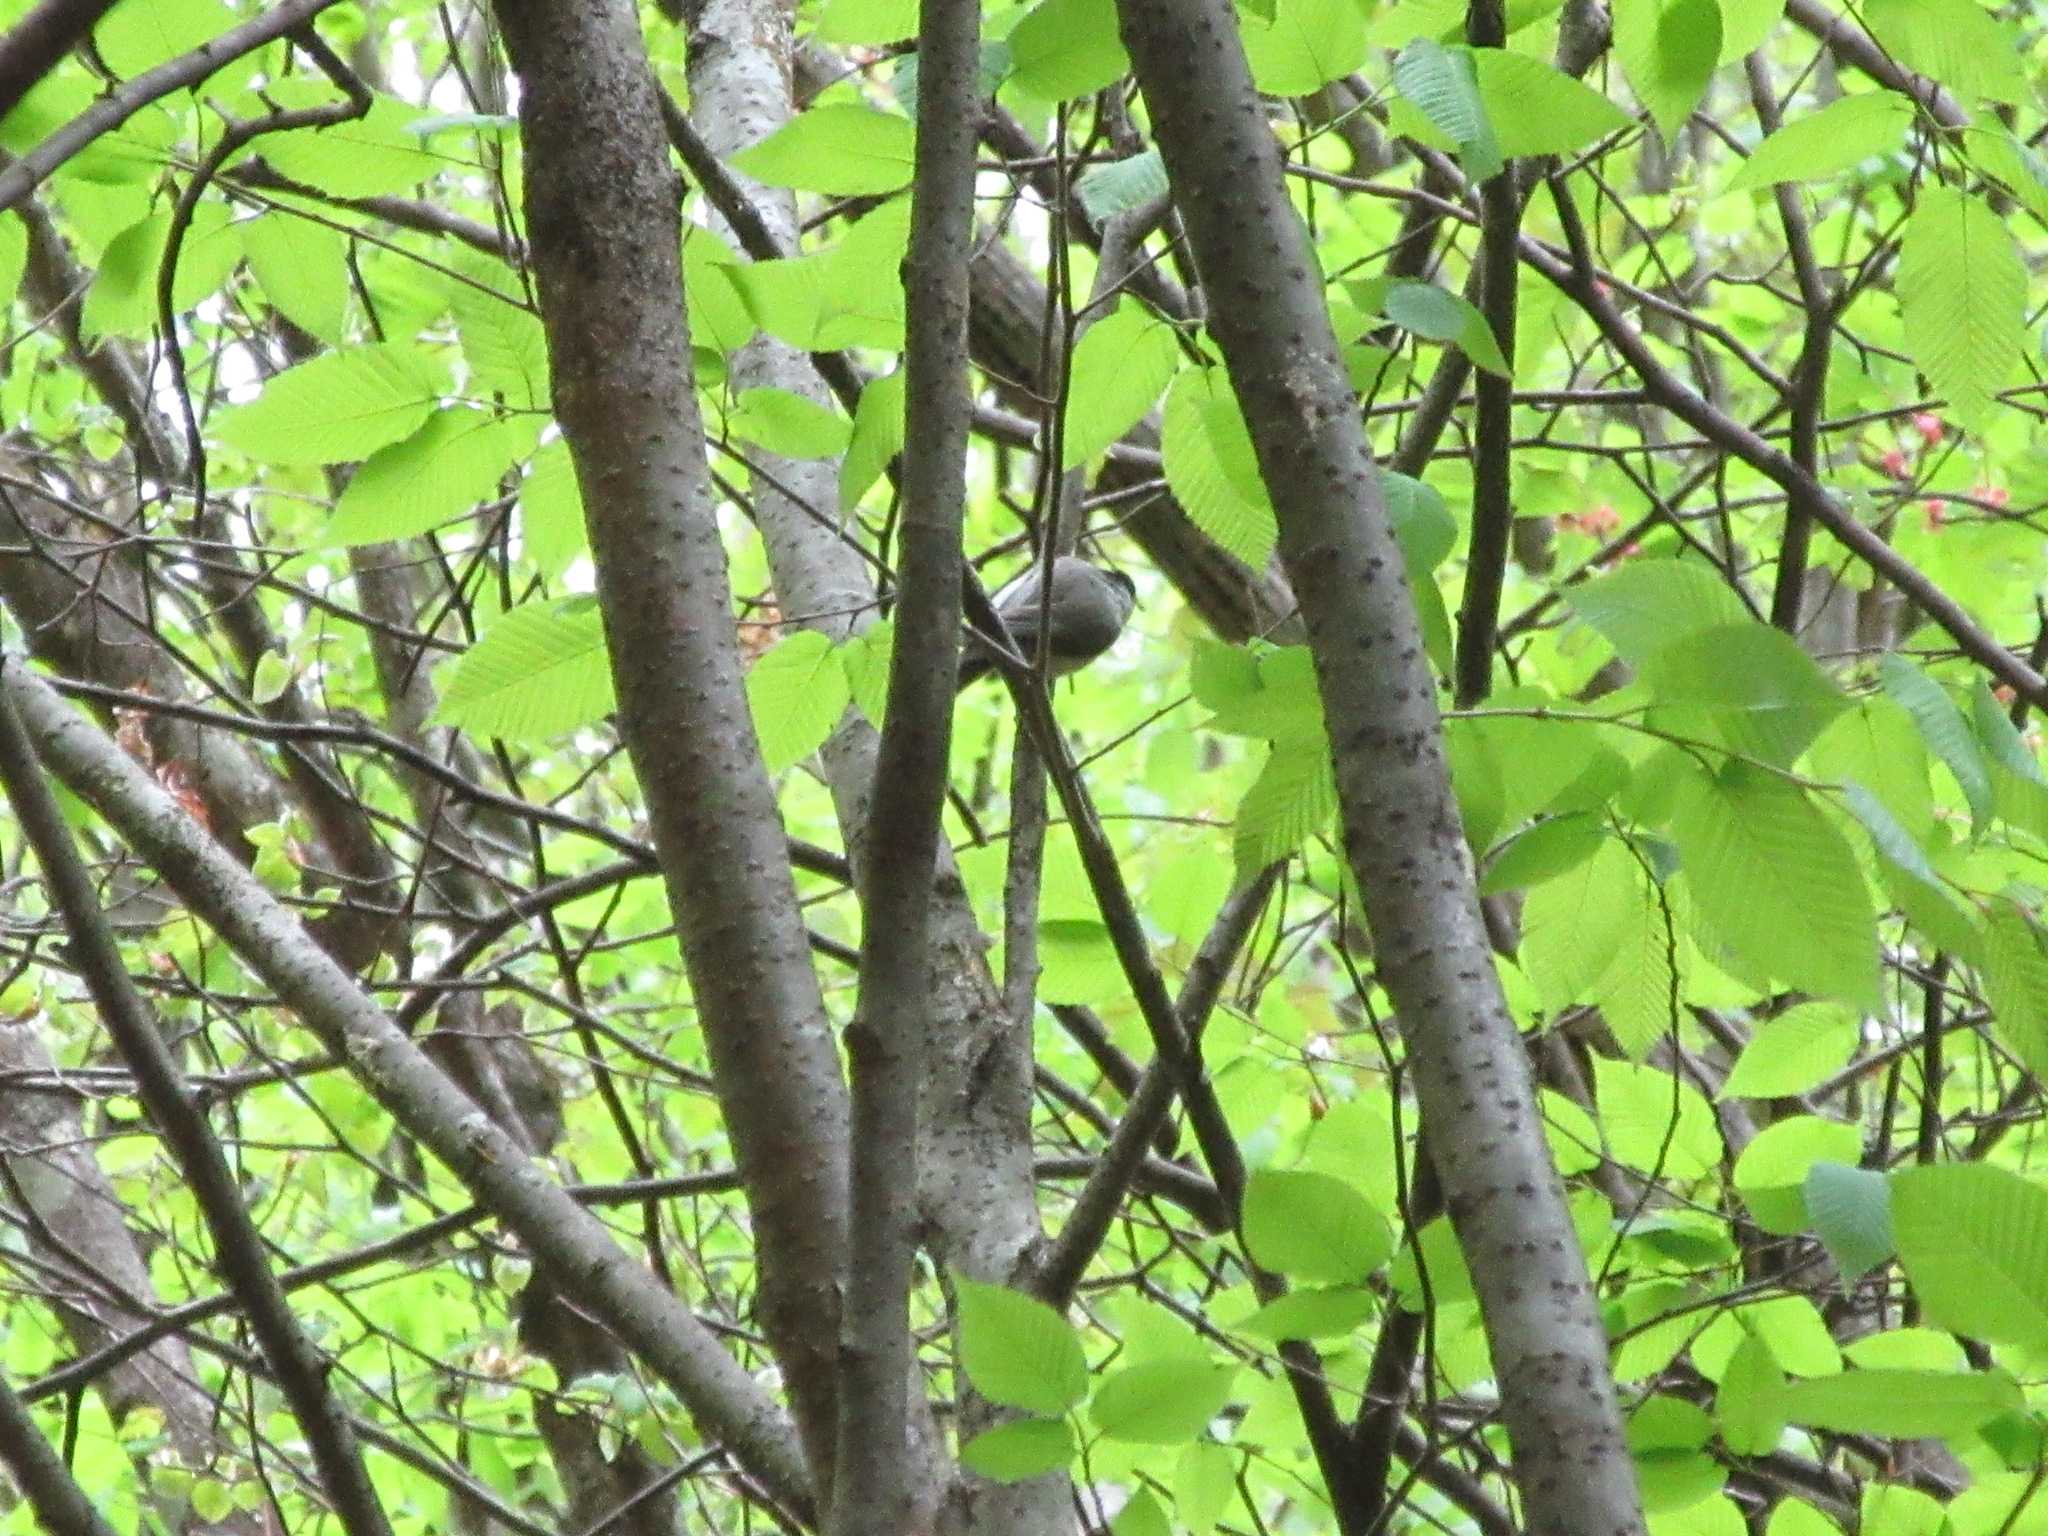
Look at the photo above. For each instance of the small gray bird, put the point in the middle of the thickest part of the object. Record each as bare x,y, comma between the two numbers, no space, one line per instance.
1090,606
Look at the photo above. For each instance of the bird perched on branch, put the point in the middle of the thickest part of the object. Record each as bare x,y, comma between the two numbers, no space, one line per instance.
1089,608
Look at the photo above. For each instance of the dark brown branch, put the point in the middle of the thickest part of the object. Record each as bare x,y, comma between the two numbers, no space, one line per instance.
37,43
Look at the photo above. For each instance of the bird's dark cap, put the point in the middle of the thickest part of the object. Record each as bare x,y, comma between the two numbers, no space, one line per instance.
1122,579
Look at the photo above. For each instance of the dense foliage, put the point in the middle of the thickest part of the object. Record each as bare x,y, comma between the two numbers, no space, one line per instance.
1744,734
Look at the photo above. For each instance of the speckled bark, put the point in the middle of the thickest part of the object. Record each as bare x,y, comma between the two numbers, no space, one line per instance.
974,1164
602,221
271,942
1402,835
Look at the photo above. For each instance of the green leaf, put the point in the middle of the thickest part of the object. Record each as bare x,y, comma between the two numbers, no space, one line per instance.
1747,685
341,405
1745,24
371,156
1120,367
122,299
1851,1210
1573,924
1909,1404
1647,604
1293,798
870,22
1067,48
1317,1314
1141,1516
1300,46
1749,1403
458,459
303,267
1943,728
1775,882
797,693
1020,1450
1956,42
1771,1173
1211,467
1538,110
1313,1227
502,341
1019,1352
866,659
1546,850
839,149
135,38
1886,835
1268,693
1974,1243
1204,1481
2002,743
877,438
1423,525
1840,136
788,424
1162,1402
551,510
1437,314
1963,297
538,672
2015,975
1443,85
1122,185
1801,1047
1668,50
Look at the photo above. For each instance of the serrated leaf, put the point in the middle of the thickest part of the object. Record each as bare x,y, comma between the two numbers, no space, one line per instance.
1974,1242
1299,46
458,459
1840,136
1647,604
1771,1173
1437,314
551,510
1886,835
1746,685
1943,728
340,406
877,438
1119,369
1293,798
1211,466
1775,882
122,299
1538,110
866,660
135,38
1668,50
840,149
1963,297
788,424
1020,1450
1161,1402
1851,1210
504,345
538,672
374,155
1122,185
1956,42
1908,1404
1748,1405
797,693
303,267
1803,1046
2015,975
1203,1482
1313,1227
1018,1351
1067,48
1310,1314
1442,84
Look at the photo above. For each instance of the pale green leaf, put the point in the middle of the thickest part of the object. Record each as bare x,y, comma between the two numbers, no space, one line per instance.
877,438
303,267
1851,1210
1204,1481
1018,1351
1437,314
1974,1242
374,155
1211,467
868,22
1443,85
458,459
1310,1314
1300,46
341,405
1771,1173
1066,48
1647,604
1141,1516
1773,880
1293,799
1841,135
788,424
1119,369
1020,1450
538,672
1803,1046
1746,685
1313,1227
135,38
797,692
1668,50
1962,296
839,148
1942,726
1538,110
551,510
2015,975
1122,185
1162,1402
1908,1404
1956,42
